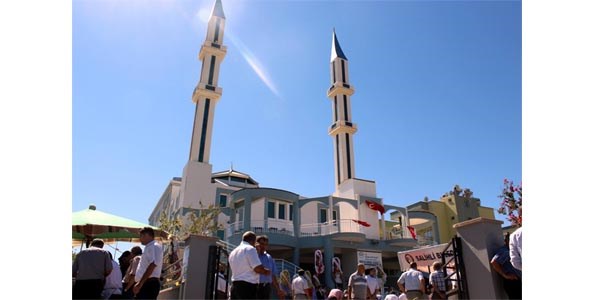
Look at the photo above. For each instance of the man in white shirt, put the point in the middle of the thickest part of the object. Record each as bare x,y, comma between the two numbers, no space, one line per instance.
113,284
392,296
129,279
245,268
412,283
300,288
147,275
515,249
372,284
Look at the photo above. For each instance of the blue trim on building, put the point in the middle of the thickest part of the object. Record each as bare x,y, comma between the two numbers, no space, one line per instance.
204,129
348,155
345,109
322,200
337,154
337,201
343,72
257,191
212,69
333,73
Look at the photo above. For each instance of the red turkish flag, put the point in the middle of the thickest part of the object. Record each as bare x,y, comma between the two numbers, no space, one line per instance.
375,206
363,223
412,232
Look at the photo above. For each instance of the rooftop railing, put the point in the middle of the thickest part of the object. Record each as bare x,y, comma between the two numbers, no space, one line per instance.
286,227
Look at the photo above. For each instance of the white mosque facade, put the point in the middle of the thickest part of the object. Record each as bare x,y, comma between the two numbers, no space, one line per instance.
347,224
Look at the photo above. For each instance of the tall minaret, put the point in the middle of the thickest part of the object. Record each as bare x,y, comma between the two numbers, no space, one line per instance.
207,93
342,128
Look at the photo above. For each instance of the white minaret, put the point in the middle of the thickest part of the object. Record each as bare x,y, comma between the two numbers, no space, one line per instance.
207,93
342,128
196,183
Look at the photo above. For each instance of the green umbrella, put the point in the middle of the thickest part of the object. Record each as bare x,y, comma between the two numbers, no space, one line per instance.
90,223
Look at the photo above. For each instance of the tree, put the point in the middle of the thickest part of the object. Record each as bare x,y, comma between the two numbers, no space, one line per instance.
205,223
512,202
171,224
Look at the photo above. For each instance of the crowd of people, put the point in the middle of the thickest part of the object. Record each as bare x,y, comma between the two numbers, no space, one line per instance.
254,275
136,276
507,263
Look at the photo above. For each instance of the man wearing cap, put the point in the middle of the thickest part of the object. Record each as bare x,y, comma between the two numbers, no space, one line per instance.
245,268
300,288
90,268
357,285
412,282
147,275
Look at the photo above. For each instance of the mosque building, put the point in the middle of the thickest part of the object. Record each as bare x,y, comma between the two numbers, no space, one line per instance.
350,224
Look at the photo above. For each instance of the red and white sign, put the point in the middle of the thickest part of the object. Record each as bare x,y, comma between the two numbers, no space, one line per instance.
424,257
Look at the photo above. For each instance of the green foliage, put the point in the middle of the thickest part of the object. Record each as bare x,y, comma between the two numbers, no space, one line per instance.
204,223
171,224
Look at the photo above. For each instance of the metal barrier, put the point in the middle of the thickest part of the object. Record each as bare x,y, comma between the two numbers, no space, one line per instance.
459,274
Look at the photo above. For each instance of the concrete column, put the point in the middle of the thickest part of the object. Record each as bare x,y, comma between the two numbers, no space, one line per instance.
480,238
195,266
247,212
296,257
382,221
296,222
327,259
266,214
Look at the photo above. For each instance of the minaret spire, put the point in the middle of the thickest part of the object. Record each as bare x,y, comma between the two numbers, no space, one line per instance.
207,93
218,10
342,128
336,50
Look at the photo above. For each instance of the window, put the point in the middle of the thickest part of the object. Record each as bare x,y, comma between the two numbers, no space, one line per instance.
240,214
335,215
291,212
281,211
323,215
271,210
223,200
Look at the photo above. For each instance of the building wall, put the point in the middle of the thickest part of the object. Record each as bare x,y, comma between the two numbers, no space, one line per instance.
347,213
257,212
370,216
452,209
196,185
309,213
444,216
486,212
467,208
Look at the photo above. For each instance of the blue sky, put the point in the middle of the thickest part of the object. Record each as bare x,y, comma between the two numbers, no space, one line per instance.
437,101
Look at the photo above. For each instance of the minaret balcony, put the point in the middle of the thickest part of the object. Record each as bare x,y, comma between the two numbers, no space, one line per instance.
211,48
341,126
203,91
340,88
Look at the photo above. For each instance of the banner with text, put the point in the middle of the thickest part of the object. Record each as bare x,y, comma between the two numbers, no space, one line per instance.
424,257
370,259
